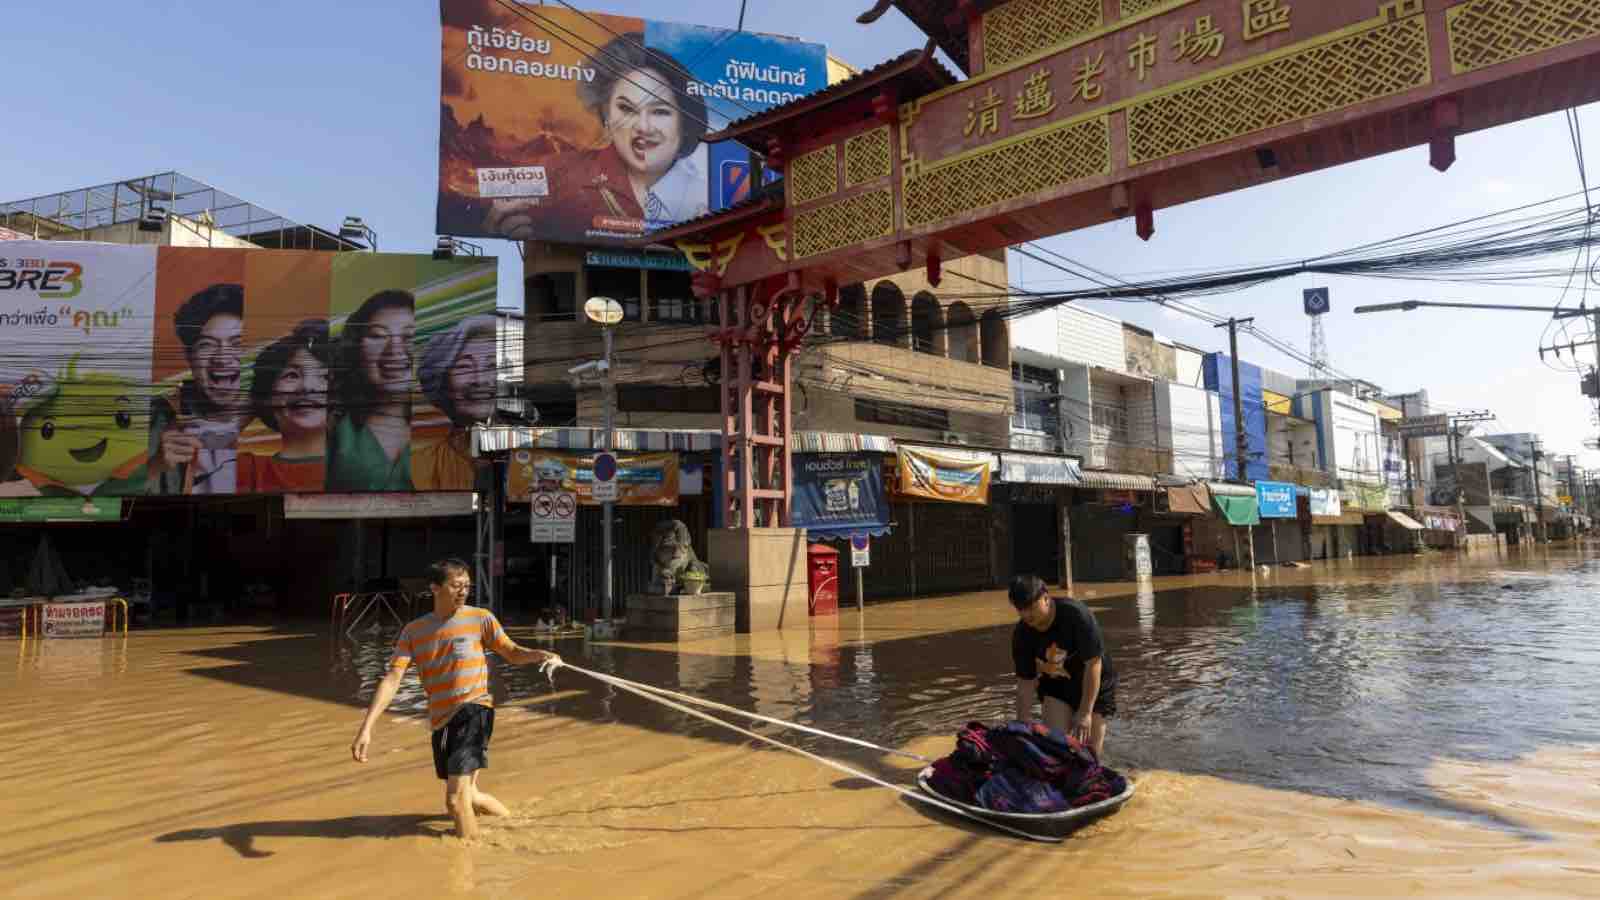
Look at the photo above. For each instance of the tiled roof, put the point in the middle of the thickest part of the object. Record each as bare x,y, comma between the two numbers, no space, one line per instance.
934,18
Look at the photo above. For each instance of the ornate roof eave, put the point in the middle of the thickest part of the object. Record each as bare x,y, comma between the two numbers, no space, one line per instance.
909,76
943,21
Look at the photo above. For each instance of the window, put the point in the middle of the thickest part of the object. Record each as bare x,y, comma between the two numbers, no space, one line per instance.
1034,392
886,413
667,398
1111,418
552,297
672,298
621,285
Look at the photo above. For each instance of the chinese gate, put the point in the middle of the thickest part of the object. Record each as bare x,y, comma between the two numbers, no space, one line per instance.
1075,113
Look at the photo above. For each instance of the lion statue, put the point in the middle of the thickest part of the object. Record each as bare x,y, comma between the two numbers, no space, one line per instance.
673,561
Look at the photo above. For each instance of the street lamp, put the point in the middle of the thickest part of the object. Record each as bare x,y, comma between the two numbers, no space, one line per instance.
447,247
606,313
354,229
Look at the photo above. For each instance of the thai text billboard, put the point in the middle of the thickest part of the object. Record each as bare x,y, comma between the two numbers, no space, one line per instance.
585,128
643,479
134,370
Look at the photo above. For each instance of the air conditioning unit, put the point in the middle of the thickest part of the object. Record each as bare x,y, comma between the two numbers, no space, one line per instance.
953,437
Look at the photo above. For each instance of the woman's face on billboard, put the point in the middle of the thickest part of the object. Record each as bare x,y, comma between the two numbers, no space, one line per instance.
387,352
300,395
471,381
645,126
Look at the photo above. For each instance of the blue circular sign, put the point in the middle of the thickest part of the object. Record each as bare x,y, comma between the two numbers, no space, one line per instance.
605,467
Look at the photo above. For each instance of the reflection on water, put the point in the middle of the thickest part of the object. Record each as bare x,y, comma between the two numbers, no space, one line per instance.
1346,690
1453,703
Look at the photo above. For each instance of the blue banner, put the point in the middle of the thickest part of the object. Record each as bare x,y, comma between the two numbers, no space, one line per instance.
840,494
1276,499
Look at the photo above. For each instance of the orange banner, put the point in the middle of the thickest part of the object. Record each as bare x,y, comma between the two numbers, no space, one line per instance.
933,476
643,479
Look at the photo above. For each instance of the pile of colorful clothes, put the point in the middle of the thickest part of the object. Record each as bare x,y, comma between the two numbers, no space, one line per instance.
1023,767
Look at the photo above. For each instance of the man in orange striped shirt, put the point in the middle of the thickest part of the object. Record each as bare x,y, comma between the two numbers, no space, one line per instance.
447,646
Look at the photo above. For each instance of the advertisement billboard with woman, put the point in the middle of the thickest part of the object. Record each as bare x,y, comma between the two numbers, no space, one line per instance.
195,371
587,128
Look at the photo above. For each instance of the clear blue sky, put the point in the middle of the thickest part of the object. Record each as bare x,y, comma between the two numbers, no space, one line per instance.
321,110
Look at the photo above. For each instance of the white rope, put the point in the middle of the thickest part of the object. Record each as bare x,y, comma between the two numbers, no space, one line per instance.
649,694
707,704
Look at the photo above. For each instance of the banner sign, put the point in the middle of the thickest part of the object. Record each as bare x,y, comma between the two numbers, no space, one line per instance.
837,494
74,619
139,370
622,259
1424,426
586,128
378,506
1325,502
643,479
1275,499
929,475
60,509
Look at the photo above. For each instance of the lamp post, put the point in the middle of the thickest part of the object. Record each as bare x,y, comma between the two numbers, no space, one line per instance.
606,313
354,229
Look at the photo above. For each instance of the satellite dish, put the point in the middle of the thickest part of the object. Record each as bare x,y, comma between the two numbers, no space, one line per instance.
603,310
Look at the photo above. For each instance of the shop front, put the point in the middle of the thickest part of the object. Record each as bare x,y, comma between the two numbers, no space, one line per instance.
1108,507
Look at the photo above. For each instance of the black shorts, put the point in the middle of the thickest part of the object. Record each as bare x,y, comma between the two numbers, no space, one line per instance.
461,747
1070,692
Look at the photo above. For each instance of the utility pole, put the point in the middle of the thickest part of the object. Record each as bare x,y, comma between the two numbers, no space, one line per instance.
1241,443
1453,441
1405,447
1538,494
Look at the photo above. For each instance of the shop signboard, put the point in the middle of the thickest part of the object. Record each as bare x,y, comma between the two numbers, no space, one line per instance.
379,506
140,370
836,494
60,509
74,619
642,479
586,128
1275,499
926,474
1424,426
1326,502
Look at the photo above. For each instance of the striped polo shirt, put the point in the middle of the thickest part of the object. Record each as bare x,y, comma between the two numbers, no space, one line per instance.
450,660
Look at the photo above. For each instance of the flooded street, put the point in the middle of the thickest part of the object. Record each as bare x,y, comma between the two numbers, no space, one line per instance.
1382,727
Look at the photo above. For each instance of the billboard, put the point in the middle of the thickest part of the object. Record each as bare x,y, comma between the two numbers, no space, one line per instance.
643,479
138,370
840,494
585,128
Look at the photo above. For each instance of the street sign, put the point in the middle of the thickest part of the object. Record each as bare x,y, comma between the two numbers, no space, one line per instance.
554,517
860,551
1316,300
605,478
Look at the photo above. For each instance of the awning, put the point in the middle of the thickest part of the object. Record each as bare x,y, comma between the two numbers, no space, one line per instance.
1027,468
841,442
500,438
1405,521
1117,481
1225,489
1192,500
1349,518
1238,510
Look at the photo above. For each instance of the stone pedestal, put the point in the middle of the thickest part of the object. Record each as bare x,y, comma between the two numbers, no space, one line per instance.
766,569
680,617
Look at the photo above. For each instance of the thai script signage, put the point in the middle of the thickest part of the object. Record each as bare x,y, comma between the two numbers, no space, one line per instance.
74,619
932,475
642,479
1275,499
563,125
839,493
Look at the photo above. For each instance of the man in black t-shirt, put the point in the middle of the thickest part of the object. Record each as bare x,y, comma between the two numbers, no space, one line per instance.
1061,661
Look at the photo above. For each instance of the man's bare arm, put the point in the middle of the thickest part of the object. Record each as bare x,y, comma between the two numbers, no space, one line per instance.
381,698
1027,695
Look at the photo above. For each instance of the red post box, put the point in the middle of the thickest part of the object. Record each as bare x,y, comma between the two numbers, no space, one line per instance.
822,570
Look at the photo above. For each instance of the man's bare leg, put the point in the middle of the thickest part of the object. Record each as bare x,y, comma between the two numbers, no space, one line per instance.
458,799
1097,736
486,803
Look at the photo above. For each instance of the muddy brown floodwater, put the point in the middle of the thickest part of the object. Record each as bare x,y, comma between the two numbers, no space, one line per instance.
1376,728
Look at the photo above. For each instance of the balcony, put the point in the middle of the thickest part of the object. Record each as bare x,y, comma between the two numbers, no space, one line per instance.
1116,457
1304,477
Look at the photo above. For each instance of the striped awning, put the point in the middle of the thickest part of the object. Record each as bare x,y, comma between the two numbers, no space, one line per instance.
496,439
1224,489
1405,521
841,442
1117,481
1029,468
